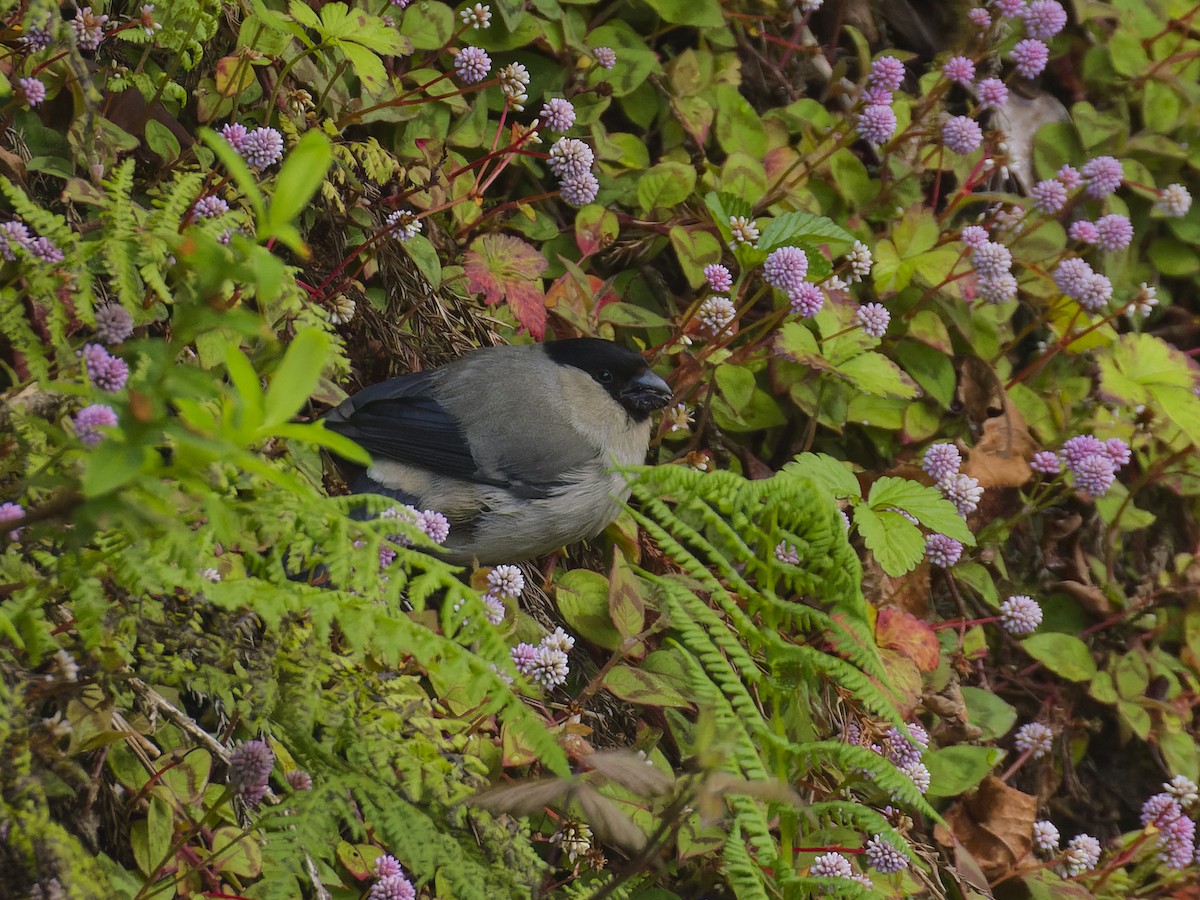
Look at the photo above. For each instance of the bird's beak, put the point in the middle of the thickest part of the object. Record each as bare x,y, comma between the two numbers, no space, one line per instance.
646,392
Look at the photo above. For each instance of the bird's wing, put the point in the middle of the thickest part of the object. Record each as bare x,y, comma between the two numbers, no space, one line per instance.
399,419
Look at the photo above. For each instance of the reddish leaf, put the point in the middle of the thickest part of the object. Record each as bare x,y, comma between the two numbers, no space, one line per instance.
596,228
505,268
904,632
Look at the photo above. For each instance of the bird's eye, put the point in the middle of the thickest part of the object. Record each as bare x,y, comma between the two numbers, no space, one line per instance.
605,376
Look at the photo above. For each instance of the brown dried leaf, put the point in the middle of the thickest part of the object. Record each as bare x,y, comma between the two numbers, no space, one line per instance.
769,789
994,825
980,392
630,770
965,870
523,798
608,822
999,460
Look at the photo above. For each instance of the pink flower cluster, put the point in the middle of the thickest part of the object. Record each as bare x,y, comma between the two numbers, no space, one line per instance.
1092,462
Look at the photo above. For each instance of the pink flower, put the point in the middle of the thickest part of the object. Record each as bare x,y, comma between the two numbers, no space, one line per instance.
876,123
557,114
993,93
605,57
873,318
959,69
785,268
806,300
1030,57
1101,176
886,72
472,65
718,277
962,135
1083,231
90,419
1113,232
1044,19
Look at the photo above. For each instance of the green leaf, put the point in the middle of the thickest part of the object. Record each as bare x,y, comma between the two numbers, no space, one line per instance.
1135,716
723,206
431,30
639,685
582,598
236,852
1179,751
804,229
956,770
694,249
626,608
925,503
245,383
1143,369
1103,689
298,179
1126,53
989,712
897,543
1062,654
629,315
798,343
736,384
304,14
853,181
112,464
876,374
422,252
317,433
367,66
739,126
161,140
665,186
297,375
741,173
930,368
760,413
827,473
1131,675
694,13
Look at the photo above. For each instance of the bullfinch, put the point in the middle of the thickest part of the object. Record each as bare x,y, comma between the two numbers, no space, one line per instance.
516,446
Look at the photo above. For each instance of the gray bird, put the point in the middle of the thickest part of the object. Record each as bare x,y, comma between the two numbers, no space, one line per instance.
514,445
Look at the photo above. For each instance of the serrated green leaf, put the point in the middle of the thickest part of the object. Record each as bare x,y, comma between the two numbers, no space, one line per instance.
924,503
805,230
897,543
827,473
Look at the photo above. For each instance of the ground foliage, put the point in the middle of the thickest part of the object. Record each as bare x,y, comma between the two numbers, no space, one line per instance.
813,657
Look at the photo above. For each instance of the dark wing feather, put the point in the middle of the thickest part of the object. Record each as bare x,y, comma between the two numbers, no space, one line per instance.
400,419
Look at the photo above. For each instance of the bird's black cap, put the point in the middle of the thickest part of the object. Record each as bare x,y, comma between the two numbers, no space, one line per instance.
619,370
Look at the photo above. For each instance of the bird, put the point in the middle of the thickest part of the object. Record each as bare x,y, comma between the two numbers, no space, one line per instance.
517,446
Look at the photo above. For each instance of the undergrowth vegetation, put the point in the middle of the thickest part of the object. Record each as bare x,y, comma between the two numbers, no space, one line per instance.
908,604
